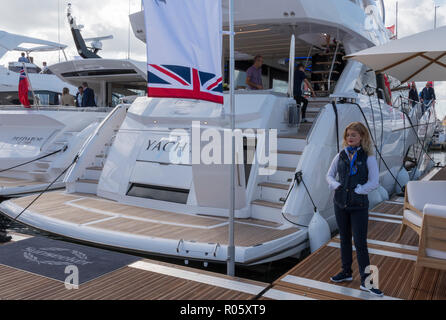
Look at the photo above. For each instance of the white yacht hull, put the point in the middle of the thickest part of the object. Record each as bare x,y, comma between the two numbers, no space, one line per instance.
28,136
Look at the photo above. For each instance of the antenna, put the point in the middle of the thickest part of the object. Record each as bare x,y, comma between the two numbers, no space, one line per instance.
58,24
128,50
83,50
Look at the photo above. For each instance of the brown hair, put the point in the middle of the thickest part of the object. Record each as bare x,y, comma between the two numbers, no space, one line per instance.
65,91
366,141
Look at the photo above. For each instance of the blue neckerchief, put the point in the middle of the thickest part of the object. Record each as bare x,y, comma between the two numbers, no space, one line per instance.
353,151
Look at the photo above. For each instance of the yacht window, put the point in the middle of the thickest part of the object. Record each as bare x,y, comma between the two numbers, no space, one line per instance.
44,99
240,79
158,193
89,73
280,86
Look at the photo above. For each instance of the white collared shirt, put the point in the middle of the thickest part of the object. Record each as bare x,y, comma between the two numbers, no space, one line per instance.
371,184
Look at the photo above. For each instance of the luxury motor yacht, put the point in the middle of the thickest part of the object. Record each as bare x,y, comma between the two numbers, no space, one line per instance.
46,87
37,145
146,194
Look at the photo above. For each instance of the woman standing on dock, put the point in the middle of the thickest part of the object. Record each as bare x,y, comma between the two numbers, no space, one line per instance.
358,173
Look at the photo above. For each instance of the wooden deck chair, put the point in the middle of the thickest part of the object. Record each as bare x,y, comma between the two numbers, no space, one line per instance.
417,195
432,250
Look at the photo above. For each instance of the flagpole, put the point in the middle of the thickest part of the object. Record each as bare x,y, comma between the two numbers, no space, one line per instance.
231,246
435,17
128,40
58,25
396,22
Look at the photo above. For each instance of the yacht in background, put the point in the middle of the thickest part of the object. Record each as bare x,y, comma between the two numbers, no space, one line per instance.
47,136
47,87
136,198
26,135
111,79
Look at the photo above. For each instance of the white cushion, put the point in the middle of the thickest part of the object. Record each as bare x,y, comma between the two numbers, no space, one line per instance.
435,210
436,254
422,192
413,217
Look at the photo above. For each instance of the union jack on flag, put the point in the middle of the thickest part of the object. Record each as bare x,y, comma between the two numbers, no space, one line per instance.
184,49
184,82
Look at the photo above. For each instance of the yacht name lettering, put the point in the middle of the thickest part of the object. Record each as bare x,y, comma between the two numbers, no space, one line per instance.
26,140
155,145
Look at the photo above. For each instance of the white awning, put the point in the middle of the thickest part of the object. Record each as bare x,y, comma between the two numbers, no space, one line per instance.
15,42
420,57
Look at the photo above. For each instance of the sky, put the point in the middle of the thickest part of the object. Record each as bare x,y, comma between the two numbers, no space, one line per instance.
42,18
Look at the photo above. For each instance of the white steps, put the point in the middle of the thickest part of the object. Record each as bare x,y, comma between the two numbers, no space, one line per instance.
263,203
93,173
39,174
268,205
272,192
266,210
281,176
287,159
291,144
87,186
43,164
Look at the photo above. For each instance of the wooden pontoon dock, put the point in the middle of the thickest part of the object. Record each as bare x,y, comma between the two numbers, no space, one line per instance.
308,280
394,258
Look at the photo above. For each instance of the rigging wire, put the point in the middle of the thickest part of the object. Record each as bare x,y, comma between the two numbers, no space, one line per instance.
40,158
42,193
374,143
418,137
298,179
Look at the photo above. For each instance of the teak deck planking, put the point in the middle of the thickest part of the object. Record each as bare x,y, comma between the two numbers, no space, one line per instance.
127,283
395,260
92,210
12,182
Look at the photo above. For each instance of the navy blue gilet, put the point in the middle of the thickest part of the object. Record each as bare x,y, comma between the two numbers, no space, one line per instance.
345,196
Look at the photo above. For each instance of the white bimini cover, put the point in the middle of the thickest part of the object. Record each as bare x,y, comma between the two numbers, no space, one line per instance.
184,49
420,57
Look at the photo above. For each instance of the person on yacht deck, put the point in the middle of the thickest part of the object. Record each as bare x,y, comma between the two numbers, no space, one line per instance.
413,94
67,98
254,74
358,175
428,95
79,96
45,69
299,79
88,96
23,58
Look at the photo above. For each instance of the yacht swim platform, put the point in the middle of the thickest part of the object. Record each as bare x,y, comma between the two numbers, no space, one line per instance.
141,280
19,187
90,219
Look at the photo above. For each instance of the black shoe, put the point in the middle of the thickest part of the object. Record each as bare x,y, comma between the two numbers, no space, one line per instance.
342,277
5,238
373,291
